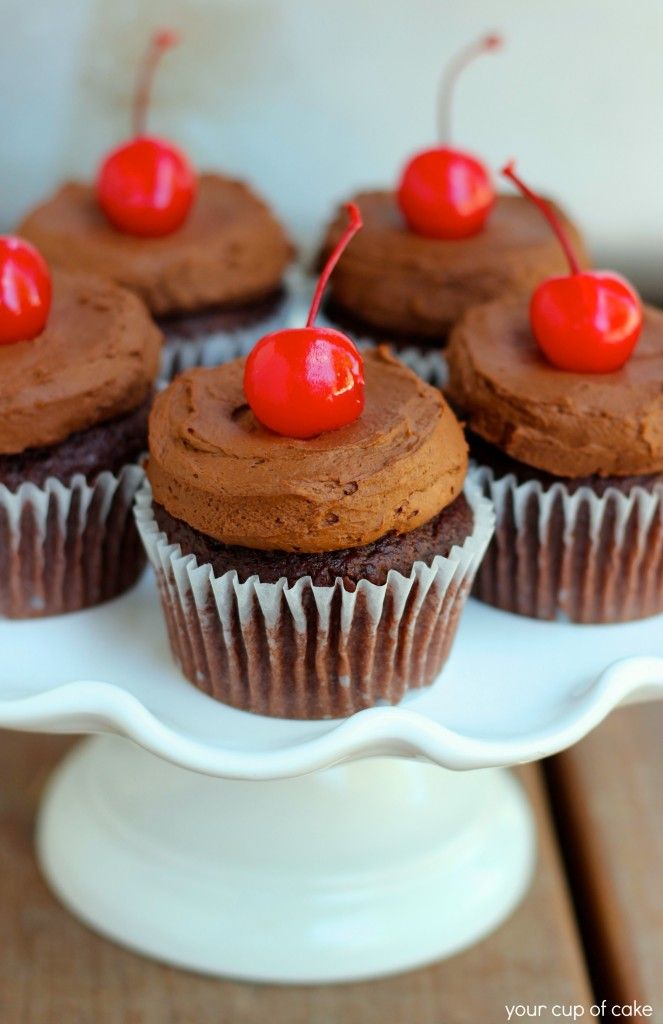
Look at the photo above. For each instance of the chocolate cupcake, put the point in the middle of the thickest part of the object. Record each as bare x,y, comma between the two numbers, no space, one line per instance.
203,252
213,286
74,404
310,578
306,520
564,402
574,466
397,286
436,245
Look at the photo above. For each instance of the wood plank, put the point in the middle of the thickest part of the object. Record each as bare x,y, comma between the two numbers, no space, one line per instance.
608,793
54,971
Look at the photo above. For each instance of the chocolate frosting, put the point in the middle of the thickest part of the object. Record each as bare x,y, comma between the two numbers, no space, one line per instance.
568,424
230,250
96,359
394,279
215,467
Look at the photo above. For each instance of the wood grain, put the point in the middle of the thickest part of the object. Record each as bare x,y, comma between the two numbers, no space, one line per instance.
54,971
608,794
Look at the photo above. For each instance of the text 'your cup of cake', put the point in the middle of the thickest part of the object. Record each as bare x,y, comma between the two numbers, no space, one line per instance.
203,251
308,523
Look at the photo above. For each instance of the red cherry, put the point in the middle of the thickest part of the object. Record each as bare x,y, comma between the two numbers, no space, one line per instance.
303,381
444,192
25,291
587,322
146,187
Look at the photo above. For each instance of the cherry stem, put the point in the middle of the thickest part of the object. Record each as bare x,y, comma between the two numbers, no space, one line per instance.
351,230
546,209
453,72
159,43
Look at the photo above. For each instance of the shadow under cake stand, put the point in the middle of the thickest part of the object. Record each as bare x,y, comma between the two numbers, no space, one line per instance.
286,851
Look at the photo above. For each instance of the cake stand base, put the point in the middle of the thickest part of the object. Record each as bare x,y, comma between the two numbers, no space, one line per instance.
358,871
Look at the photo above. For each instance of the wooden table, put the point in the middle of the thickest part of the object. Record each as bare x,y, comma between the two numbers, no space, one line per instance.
591,927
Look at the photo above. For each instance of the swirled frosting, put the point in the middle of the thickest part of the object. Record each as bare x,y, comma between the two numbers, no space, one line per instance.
394,279
231,249
215,467
97,358
568,424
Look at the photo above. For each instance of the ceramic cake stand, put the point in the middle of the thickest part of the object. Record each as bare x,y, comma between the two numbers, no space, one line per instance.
302,851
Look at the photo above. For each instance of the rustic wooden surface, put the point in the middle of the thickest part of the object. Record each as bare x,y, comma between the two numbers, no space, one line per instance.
608,795
54,971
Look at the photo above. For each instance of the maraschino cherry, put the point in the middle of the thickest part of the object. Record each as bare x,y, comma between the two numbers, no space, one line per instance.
25,291
306,380
588,321
445,192
146,186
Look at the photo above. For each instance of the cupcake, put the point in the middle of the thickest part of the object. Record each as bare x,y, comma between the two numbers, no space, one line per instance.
394,285
563,400
76,378
438,244
203,252
306,520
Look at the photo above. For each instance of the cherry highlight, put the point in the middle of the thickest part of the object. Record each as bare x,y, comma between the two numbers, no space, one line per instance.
351,230
546,209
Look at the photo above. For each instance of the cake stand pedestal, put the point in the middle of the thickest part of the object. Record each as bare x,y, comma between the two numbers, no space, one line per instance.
352,872
302,851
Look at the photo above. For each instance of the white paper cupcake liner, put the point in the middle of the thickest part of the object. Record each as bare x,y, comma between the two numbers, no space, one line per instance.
305,651
218,347
67,547
581,556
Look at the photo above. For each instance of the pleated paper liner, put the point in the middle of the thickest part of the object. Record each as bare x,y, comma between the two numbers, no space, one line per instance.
581,556
67,547
303,651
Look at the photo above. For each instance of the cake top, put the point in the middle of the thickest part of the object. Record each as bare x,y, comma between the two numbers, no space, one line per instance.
393,278
214,466
230,250
568,424
513,227
97,358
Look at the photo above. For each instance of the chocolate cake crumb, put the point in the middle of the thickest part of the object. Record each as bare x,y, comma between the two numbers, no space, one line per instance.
106,446
371,562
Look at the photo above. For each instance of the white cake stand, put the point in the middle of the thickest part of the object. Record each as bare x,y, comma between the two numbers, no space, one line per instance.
216,841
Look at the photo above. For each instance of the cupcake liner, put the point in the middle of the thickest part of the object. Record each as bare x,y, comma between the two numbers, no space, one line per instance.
67,547
304,651
218,347
581,556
